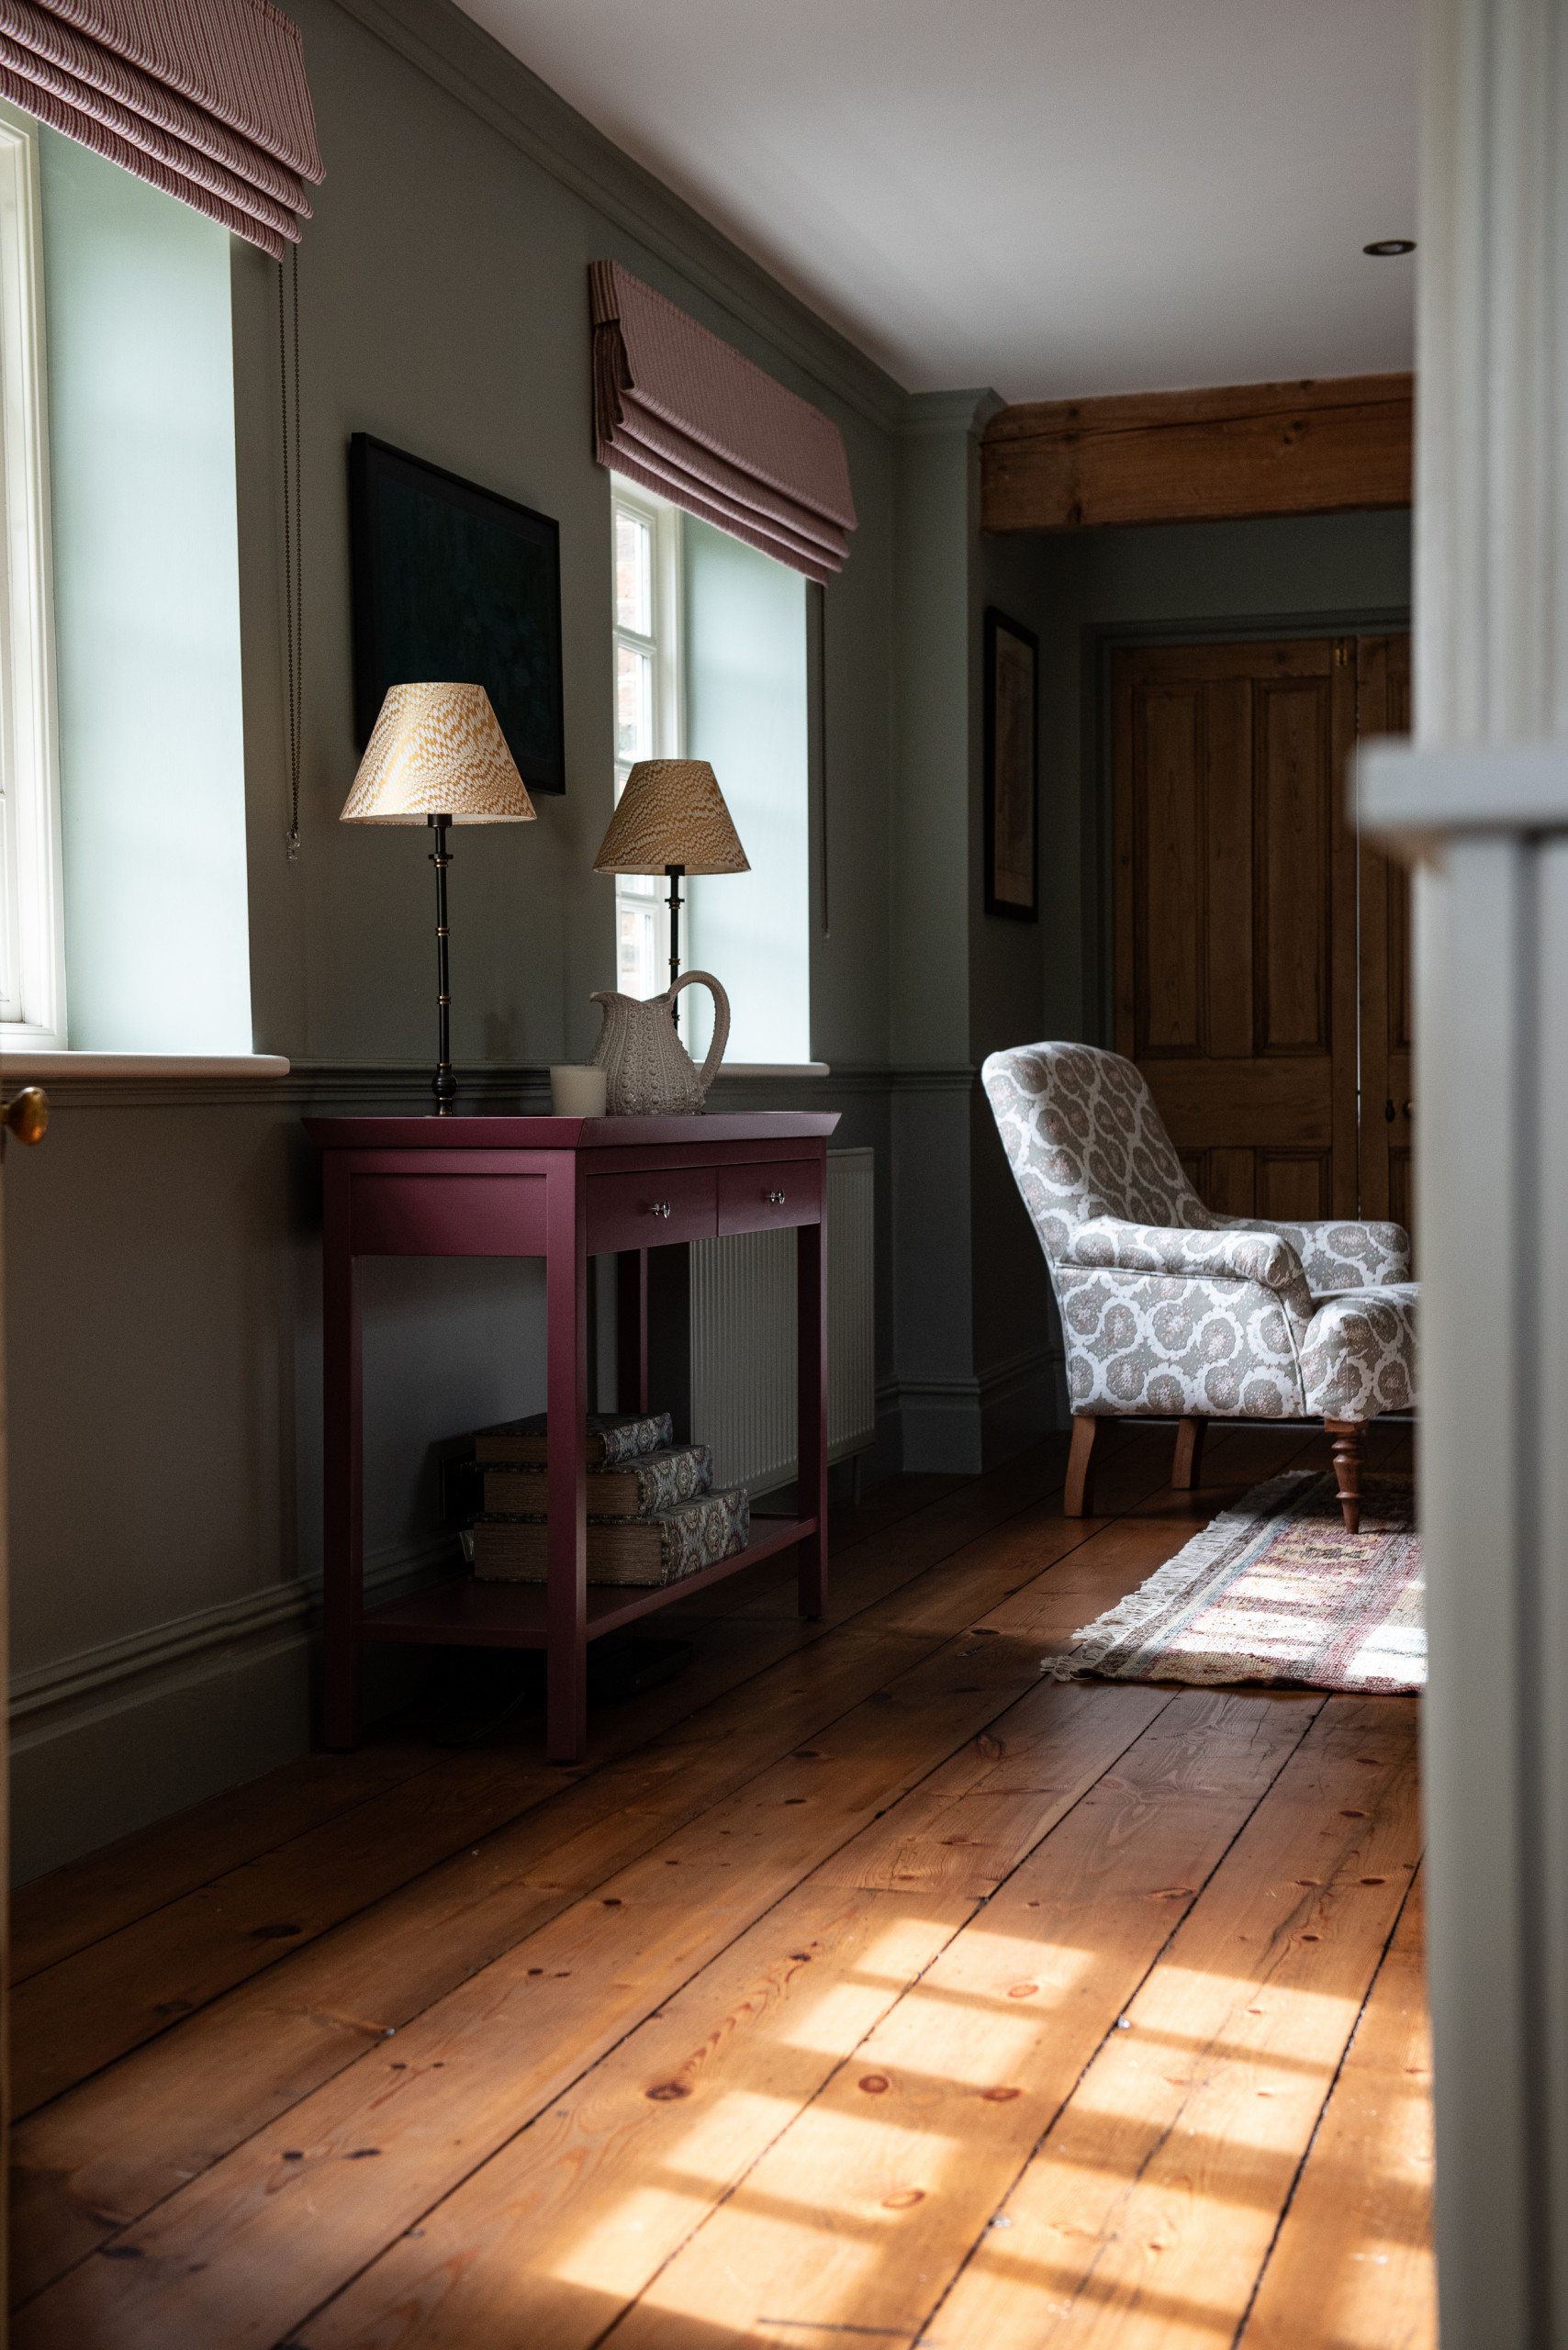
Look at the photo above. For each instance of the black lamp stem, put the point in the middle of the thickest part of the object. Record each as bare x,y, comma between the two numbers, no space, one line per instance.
444,1085
675,872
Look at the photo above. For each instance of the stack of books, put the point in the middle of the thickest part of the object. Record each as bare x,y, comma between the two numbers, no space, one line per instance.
653,1513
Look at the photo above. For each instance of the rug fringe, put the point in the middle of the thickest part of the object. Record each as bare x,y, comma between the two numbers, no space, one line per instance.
1147,1604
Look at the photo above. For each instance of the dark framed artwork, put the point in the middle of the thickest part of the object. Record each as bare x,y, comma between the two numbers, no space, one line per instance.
453,582
1012,850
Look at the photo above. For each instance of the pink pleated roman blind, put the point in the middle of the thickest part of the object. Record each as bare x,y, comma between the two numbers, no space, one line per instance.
681,412
205,98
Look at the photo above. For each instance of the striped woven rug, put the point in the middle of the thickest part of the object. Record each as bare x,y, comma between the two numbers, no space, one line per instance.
1276,1591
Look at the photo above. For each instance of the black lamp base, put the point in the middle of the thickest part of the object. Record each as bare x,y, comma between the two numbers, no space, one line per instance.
673,874
444,1085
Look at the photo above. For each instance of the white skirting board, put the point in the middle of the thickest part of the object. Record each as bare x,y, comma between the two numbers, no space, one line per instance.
103,1741
744,1343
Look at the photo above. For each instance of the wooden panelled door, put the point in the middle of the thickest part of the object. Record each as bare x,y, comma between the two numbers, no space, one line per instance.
1387,1077
1260,956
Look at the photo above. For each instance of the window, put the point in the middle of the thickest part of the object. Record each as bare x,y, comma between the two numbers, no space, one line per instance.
32,951
144,544
710,664
647,708
746,713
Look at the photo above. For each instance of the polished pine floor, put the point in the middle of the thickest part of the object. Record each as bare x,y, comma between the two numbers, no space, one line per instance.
860,1987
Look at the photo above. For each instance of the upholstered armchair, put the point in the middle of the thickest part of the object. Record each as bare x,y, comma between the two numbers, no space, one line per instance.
1170,1311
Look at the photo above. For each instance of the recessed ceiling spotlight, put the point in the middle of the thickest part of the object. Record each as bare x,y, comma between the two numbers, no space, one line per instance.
1383,246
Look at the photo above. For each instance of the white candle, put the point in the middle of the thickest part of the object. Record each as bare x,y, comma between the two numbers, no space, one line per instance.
576,1092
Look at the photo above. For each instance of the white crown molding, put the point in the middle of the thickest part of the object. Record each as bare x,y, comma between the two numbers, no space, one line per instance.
465,60
928,413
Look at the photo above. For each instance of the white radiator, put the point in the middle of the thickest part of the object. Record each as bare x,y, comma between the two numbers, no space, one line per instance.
743,1337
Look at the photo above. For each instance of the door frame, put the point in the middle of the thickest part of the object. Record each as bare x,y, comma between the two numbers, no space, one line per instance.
1101,642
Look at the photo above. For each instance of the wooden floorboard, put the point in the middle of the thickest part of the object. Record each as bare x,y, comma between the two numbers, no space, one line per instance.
1149,2210
859,2213
624,2174
172,1959
1352,2267
587,2049
230,1928
95,2160
62,1913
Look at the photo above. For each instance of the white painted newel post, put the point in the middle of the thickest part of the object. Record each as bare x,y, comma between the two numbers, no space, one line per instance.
1482,798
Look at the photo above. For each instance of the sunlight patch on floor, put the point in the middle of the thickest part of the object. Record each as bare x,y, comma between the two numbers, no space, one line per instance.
614,2259
1355,2311
1300,2023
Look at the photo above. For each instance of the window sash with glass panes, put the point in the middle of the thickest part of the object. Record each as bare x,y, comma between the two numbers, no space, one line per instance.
32,926
647,708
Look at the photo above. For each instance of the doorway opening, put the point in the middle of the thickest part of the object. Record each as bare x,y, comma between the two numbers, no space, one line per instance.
1260,947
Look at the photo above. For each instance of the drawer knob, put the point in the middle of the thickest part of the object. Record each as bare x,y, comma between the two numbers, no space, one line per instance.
658,1207
776,1197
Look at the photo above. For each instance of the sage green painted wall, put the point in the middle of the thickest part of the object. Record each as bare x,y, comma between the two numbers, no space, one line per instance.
974,1341
444,308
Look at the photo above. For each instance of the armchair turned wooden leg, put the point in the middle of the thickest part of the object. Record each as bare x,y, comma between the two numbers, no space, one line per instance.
1079,1499
1190,1435
1348,1436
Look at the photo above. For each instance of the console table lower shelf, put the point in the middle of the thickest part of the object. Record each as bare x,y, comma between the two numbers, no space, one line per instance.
475,1614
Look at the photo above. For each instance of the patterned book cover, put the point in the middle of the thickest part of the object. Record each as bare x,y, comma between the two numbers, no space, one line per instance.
656,1481
612,1437
659,1550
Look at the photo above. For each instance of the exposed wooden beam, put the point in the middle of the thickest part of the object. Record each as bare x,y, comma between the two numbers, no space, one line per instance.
1246,449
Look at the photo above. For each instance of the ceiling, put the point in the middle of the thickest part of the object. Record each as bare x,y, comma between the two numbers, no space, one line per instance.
1046,196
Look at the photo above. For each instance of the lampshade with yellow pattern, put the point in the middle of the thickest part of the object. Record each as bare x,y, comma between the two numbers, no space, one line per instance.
671,813
437,751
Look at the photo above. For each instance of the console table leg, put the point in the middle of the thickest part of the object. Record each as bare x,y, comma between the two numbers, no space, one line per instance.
343,1468
567,1470
811,1419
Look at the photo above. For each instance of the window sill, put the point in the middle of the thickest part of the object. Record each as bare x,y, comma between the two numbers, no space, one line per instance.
22,1060
772,1068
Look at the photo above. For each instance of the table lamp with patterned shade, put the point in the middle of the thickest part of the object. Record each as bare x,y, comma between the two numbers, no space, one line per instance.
671,819
438,758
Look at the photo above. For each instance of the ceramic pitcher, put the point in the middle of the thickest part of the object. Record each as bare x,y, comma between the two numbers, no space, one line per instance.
649,1071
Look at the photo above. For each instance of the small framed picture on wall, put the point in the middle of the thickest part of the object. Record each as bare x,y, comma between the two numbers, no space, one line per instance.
1011,854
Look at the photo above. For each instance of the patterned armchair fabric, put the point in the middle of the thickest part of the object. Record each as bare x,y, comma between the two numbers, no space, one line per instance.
1170,1308
1358,1358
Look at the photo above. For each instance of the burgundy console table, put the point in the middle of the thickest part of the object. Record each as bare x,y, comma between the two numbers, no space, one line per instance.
563,1189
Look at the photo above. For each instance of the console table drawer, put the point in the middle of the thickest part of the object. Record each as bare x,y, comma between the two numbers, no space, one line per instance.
647,1211
759,1199
448,1216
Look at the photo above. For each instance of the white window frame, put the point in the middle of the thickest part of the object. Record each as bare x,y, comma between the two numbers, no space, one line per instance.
634,891
32,916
